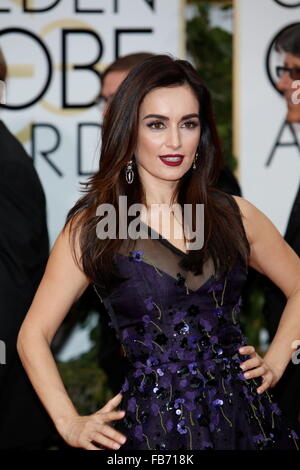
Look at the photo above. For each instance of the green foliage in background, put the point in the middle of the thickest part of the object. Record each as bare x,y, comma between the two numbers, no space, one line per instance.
85,382
252,317
211,50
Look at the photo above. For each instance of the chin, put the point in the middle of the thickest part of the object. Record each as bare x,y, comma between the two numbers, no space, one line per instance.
171,176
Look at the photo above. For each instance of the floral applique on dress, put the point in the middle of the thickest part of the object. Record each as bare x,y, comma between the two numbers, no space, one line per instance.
185,388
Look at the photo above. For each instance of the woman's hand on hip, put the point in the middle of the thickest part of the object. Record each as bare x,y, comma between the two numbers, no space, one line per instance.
88,432
256,366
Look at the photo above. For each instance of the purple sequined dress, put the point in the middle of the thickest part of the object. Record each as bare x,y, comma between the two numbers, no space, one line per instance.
181,334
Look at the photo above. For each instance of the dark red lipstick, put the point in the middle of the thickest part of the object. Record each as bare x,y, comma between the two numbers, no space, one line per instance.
172,159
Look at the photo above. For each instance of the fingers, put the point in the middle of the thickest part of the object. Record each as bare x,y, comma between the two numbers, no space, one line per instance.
255,360
251,363
112,403
110,415
256,372
91,446
96,432
114,435
103,434
258,368
264,373
267,381
101,439
113,439
247,350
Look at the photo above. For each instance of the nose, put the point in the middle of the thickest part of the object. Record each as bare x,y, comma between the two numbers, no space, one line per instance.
285,82
173,139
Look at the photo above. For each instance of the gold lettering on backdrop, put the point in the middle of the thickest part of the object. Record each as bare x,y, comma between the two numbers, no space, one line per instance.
20,2
24,135
20,71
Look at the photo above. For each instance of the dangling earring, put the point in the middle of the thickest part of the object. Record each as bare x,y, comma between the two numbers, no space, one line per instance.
129,174
195,159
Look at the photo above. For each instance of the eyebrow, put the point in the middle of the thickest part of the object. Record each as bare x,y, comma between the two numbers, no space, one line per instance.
165,118
296,67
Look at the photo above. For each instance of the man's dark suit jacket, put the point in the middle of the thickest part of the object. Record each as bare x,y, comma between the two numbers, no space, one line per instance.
287,391
23,255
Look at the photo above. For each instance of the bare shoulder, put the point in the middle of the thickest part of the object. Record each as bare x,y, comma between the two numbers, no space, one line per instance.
70,235
256,224
269,252
251,217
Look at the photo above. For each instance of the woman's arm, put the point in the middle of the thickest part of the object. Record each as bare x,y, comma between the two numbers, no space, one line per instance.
273,257
62,284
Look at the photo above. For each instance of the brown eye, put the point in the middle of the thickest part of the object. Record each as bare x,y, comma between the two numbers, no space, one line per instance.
190,124
156,125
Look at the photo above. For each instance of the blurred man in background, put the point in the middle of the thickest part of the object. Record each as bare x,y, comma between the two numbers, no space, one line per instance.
287,391
115,73
24,423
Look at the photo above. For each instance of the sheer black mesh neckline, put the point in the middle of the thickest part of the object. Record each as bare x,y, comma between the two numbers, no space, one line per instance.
165,258
163,240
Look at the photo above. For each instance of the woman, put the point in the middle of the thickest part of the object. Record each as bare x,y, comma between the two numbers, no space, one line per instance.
174,304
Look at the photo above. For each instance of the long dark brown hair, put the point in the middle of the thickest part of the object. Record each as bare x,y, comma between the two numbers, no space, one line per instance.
224,237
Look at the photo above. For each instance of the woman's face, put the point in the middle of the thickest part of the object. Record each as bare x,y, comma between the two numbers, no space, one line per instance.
168,133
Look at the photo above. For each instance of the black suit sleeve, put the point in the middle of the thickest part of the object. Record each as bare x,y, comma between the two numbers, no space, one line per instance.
23,256
23,242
